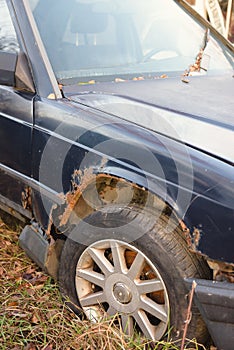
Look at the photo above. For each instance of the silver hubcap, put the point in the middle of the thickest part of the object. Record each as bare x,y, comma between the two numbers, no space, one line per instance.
122,293
113,277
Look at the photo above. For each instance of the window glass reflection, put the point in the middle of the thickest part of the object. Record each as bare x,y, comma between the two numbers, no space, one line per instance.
8,40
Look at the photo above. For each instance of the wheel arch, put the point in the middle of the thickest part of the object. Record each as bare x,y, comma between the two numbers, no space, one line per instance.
119,181
112,185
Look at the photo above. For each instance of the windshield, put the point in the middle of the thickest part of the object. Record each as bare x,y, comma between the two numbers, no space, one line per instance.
105,40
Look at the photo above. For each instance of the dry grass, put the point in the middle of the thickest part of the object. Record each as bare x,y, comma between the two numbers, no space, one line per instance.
33,316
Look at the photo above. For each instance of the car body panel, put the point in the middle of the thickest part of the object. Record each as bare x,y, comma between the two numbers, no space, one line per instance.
16,114
217,311
169,107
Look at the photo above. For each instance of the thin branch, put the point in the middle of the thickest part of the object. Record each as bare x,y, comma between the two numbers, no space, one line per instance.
188,317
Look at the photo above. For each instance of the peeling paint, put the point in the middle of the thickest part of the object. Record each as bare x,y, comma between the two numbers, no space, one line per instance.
196,237
51,221
80,181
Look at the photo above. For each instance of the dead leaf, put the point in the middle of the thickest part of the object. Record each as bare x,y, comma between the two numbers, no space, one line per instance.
18,279
27,276
30,291
1,271
30,346
41,278
38,286
138,78
48,347
35,319
31,270
18,314
13,303
51,313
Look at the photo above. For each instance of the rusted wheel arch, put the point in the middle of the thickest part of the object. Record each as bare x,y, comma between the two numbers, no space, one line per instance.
97,190
80,202
93,192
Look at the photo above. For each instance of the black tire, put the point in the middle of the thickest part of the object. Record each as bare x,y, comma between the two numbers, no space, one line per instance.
166,250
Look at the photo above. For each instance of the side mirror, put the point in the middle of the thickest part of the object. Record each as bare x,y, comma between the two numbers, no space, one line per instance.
15,71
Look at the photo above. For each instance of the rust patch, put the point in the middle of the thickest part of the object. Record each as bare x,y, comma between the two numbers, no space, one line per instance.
92,191
102,186
192,239
52,261
186,233
196,66
50,223
196,237
80,181
222,271
26,198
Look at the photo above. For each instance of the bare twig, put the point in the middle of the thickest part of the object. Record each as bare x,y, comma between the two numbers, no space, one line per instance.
188,317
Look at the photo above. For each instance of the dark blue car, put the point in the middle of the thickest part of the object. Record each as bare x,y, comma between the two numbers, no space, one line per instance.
116,152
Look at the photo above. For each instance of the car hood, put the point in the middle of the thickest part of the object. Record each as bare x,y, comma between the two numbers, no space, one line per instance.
199,112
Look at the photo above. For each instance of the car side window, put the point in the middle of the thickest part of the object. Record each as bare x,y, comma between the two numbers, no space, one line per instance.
8,38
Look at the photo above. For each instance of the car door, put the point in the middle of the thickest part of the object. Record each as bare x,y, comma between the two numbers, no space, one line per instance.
16,120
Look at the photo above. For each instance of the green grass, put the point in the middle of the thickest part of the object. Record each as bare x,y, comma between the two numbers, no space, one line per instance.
34,317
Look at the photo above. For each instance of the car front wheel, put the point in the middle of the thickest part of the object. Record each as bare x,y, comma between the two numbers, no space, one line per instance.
106,273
